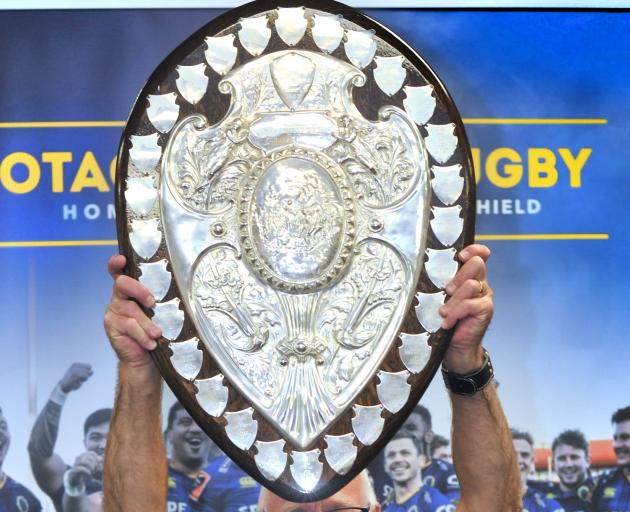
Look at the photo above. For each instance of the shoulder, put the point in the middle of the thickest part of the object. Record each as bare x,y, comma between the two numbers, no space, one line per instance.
535,500
607,485
433,500
23,498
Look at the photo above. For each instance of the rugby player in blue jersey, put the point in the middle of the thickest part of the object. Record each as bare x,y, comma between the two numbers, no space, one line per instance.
14,497
404,457
231,489
612,492
571,462
68,485
533,499
188,445
135,466
437,473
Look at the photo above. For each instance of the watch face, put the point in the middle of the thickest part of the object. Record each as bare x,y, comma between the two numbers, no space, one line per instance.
294,185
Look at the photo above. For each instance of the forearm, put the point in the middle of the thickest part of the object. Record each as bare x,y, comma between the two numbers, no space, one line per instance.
483,454
135,471
78,504
48,468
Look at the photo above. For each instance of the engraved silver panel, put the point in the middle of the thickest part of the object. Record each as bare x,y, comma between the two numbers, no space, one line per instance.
145,237
390,74
427,310
447,183
441,266
367,422
212,395
340,452
156,278
186,358
415,351
141,194
291,24
327,32
221,53
441,141
271,458
419,103
145,152
241,427
393,389
254,34
163,111
306,469
169,318
192,82
360,47
295,220
447,224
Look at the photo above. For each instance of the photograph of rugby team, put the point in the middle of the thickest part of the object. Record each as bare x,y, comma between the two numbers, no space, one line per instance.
414,473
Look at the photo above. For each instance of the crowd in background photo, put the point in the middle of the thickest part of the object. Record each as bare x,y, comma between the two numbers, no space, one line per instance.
414,473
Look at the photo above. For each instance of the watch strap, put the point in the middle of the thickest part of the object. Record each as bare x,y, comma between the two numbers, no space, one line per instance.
471,383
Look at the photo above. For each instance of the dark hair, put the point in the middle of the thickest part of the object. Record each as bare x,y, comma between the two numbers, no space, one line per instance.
424,413
521,434
172,412
438,441
401,434
97,418
573,438
621,415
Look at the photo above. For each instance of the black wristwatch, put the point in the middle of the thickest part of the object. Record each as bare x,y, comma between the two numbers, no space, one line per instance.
471,383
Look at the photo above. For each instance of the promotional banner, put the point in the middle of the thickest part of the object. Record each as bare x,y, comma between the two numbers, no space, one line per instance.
545,101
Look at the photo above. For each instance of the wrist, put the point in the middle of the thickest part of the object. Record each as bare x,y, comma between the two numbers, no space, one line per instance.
71,488
470,383
58,395
143,378
463,360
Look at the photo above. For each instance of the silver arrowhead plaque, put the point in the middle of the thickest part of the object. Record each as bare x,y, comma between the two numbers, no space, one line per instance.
305,180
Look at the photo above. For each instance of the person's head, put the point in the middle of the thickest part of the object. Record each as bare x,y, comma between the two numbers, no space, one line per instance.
189,444
403,458
621,436
357,494
570,458
419,426
524,447
95,430
5,438
440,448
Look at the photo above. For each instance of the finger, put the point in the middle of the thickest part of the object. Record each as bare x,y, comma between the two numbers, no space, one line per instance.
474,268
127,308
126,287
469,289
124,329
481,308
116,265
483,251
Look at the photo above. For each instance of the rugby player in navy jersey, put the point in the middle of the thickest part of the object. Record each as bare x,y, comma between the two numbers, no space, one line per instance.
53,475
403,458
189,446
437,473
231,489
14,497
440,449
533,499
612,492
135,466
571,462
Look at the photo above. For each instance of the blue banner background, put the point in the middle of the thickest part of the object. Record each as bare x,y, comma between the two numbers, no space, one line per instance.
560,332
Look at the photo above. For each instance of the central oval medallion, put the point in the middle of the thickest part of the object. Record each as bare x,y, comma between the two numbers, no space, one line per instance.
297,220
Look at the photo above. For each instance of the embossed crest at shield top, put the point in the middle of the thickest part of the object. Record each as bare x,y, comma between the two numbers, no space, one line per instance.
309,228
